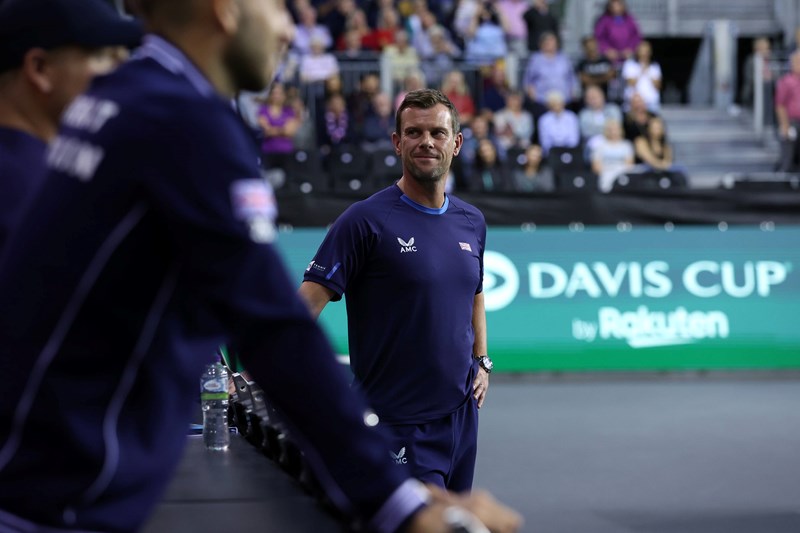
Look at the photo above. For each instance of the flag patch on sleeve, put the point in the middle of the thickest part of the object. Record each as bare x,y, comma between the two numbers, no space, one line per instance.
465,246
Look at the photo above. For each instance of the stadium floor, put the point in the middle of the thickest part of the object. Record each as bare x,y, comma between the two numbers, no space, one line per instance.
664,454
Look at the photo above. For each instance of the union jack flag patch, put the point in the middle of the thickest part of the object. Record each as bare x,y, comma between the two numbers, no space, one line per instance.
465,246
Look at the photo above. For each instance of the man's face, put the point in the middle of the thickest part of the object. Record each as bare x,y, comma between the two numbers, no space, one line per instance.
255,52
70,70
426,143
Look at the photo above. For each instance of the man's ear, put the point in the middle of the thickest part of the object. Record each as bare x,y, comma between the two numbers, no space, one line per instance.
36,69
227,13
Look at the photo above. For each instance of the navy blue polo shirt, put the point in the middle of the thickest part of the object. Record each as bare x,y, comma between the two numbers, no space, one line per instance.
409,275
22,170
149,247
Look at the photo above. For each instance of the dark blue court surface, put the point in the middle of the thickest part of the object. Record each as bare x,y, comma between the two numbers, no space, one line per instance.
660,455
664,454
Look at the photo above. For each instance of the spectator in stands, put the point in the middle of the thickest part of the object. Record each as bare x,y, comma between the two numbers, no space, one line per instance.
485,39
511,17
278,124
643,76
550,70
353,49
770,72
359,102
379,124
654,151
513,125
464,17
334,14
532,175
383,34
335,127
637,118
318,65
309,30
455,88
442,57
412,82
356,22
491,174
612,156
596,69
402,58
305,137
594,116
559,126
375,9
539,19
495,89
479,129
617,32
787,111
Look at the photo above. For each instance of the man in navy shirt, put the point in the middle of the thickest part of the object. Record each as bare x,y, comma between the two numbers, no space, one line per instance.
410,261
148,248
50,50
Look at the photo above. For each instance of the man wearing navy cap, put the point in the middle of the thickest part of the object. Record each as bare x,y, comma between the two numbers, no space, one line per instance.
50,50
149,247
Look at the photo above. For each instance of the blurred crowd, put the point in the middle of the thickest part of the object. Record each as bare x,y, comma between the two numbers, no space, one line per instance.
523,102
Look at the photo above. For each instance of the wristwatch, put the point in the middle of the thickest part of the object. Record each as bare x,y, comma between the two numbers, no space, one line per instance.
485,363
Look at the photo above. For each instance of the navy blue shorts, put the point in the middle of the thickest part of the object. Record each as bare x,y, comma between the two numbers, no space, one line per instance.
441,452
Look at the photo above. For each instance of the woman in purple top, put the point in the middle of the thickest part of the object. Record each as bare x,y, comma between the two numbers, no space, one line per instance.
617,32
278,122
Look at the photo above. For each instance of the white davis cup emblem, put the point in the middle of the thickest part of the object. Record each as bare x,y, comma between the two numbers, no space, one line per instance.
407,246
400,457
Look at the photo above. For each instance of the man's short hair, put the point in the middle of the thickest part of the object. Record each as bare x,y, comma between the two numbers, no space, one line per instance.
426,99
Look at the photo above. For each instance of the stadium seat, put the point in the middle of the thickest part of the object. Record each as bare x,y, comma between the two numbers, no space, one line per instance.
304,173
562,159
348,168
649,181
515,157
576,181
385,167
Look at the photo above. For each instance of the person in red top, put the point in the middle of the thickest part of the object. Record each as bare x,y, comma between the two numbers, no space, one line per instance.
455,88
787,111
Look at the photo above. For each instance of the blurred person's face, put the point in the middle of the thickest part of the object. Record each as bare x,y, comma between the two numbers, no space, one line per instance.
637,103
352,40
655,128
533,155
613,130
795,63
479,127
401,38
617,7
644,50
253,55
426,143
556,105
336,105
370,84
761,46
514,102
382,104
277,95
308,16
487,152
333,84
594,98
590,47
549,44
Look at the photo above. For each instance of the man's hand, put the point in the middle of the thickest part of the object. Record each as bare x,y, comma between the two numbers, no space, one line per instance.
480,386
495,516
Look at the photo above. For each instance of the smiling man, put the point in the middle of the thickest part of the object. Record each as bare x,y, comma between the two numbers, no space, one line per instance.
409,260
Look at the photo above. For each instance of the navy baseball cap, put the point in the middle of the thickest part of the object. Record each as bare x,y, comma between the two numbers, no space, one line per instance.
26,24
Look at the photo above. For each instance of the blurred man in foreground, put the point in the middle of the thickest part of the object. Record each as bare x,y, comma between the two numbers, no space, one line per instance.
150,246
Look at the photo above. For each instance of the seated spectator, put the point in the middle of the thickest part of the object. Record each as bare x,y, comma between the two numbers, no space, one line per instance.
513,125
305,137
478,130
334,15
278,123
495,89
401,56
357,23
532,175
617,32
375,9
654,151
379,124
643,76
318,65
612,156
309,30
383,34
359,102
637,118
539,19
595,69
442,57
334,128
454,86
413,81
511,14
550,70
594,116
485,40
353,48
419,24
490,174
559,126
464,17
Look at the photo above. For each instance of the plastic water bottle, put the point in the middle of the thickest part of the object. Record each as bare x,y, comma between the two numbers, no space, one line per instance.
214,400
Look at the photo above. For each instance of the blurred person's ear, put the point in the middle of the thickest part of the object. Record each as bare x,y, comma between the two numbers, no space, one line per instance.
36,69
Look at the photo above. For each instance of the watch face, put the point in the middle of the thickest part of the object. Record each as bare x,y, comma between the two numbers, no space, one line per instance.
486,363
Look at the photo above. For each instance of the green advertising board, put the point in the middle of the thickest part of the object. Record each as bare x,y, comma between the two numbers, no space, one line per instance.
644,298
